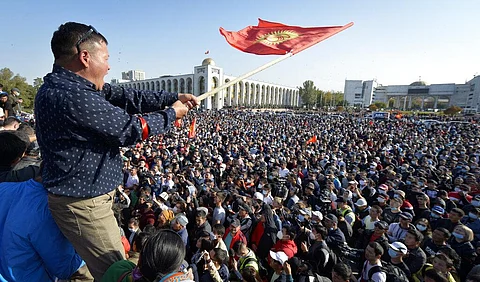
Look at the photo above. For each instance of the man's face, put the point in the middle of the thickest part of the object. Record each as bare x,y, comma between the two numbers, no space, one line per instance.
200,220
98,65
4,99
454,217
410,241
234,230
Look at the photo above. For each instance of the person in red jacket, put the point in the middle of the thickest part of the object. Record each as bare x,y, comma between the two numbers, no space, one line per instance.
234,234
286,243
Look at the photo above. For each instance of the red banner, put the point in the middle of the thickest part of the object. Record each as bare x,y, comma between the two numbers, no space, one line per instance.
270,38
192,128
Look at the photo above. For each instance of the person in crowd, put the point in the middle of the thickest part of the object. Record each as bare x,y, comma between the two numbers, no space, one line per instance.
13,146
461,239
397,251
341,272
217,269
398,230
161,259
81,122
234,234
373,253
439,239
246,258
32,248
423,226
179,225
6,105
416,256
285,242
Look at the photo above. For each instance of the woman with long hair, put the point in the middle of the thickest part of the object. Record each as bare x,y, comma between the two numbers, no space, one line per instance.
160,261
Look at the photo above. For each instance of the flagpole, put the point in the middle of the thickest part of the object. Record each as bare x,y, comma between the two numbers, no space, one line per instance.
248,74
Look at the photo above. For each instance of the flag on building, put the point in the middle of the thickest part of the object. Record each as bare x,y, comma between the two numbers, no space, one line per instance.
271,38
191,130
312,140
178,123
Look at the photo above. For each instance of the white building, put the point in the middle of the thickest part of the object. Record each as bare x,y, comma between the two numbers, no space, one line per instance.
133,75
247,93
418,95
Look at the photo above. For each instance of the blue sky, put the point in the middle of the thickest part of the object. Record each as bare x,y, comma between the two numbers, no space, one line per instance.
392,41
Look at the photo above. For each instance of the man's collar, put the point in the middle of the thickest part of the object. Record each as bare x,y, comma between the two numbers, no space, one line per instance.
71,75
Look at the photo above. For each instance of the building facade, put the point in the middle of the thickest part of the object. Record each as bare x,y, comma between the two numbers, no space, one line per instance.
416,96
208,76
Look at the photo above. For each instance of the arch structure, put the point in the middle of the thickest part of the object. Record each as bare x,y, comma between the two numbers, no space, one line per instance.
206,77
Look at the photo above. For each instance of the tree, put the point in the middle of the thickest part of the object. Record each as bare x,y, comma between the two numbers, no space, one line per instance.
373,107
380,105
453,110
37,82
308,93
10,80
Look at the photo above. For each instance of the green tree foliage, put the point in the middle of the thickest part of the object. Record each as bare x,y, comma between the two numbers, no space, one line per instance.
373,107
380,105
308,93
453,110
27,91
330,98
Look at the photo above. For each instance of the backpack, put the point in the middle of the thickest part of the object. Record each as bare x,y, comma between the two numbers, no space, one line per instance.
394,273
330,259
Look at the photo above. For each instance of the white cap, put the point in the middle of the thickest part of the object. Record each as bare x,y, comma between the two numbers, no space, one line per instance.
258,196
318,214
361,202
203,209
399,247
164,196
280,257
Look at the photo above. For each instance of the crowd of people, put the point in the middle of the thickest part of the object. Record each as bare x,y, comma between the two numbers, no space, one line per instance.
240,196
252,199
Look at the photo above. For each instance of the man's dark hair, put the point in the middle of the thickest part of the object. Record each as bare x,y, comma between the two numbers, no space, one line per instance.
220,255
435,275
458,211
1,85
141,239
11,120
377,248
218,229
446,233
64,40
417,234
321,230
13,145
343,270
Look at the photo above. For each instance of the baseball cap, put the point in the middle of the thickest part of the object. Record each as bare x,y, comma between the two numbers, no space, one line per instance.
406,215
280,257
235,223
258,196
438,210
361,202
181,219
381,224
399,247
164,196
331,217
318,214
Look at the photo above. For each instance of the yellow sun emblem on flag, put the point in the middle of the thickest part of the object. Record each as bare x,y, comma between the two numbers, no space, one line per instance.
277,37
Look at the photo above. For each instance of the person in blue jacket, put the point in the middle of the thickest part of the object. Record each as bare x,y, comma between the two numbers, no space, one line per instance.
32,248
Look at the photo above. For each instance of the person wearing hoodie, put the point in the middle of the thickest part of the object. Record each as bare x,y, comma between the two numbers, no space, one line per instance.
286,243
269,236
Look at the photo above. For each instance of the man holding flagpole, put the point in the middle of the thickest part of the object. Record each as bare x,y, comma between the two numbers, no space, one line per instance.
80,123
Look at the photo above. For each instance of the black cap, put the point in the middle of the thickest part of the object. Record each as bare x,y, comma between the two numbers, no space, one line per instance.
331,217
381,224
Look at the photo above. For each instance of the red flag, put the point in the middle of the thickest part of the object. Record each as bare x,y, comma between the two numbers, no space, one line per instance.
207,52
191,130
312,140
178,123
218,128
270,38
